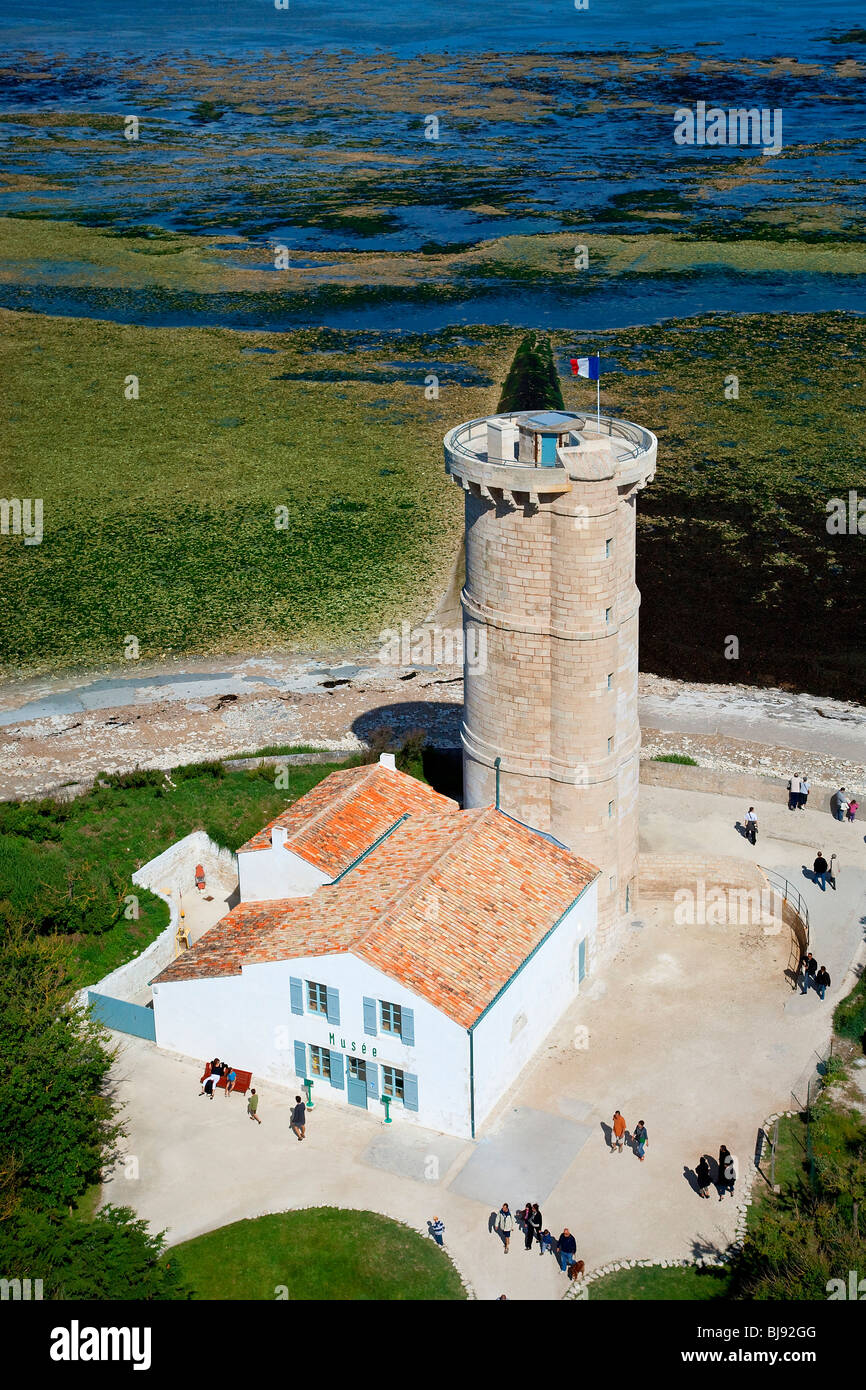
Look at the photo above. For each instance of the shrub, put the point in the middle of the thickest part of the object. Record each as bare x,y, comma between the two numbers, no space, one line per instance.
212,768
682,758
138,777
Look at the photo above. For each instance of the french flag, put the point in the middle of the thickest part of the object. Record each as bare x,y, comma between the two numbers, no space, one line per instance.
586,366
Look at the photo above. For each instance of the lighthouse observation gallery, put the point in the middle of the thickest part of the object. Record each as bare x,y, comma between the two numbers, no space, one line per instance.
550,731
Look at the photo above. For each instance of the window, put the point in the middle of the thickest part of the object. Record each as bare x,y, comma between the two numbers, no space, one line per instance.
392,1018
320,1062
357,1069
610,681
608,614
392,1082
608,548
317,998
610,806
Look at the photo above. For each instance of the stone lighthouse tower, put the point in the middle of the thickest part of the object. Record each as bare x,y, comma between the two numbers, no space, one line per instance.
550,730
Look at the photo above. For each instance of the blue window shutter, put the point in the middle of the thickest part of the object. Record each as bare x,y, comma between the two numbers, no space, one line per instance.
337,1070
407,1027
373,1080
370,1016
301,1059
296,994
410,1091
333,1005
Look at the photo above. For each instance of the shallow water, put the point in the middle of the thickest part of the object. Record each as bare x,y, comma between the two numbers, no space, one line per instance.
647,300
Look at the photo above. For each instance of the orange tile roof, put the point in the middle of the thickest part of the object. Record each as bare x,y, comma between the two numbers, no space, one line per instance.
448,905
346,813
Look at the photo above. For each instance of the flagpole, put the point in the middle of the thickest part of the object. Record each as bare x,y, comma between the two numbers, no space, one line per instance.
598,397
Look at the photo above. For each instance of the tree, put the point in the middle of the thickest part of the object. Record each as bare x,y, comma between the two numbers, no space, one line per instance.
56,1124
532,382
112,1256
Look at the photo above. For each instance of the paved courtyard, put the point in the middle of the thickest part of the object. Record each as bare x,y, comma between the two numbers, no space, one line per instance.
694,1029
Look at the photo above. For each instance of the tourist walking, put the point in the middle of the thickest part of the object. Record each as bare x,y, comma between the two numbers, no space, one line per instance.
727,1172
839,804
853,808
505,1225
793,793
567,1250
804,792
523,1216
298,1119
810,970
437,1230
617,1133
822,980
833,871
533,1226
751,825
819,870
639,1140
703,1172
253,1105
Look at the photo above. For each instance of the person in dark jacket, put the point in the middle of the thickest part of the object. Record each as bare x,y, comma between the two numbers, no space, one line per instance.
703,1172
567,1250
810,970
727,1172
534,1226
298,1119
819,870
639,1140
822,980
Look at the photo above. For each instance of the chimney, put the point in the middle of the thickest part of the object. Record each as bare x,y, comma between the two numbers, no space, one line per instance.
278,835
388,760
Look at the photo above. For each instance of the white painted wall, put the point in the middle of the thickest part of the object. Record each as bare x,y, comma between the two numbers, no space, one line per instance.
539,994
247,1020
175,867
277,872
169,872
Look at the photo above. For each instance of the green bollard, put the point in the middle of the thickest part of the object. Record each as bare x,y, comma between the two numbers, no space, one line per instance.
309,1085
386,1101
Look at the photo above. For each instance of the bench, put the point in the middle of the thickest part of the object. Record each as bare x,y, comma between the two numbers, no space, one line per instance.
241,1086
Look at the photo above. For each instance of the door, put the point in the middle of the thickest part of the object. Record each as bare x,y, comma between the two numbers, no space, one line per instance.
356,1082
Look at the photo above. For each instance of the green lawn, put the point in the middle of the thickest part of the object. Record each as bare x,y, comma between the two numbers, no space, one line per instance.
65,869
668,1285
320,1253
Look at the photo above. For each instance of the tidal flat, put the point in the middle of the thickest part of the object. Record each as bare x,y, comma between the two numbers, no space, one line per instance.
161,512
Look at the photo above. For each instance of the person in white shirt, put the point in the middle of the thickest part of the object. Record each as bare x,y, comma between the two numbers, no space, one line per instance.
793,792
751,825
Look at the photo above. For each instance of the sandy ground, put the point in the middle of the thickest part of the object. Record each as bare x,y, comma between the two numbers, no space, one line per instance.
695,1030
59,733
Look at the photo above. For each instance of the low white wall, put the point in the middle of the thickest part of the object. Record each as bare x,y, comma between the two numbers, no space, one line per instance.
173,869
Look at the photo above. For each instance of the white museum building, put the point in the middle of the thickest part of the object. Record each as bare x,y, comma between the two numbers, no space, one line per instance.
400,954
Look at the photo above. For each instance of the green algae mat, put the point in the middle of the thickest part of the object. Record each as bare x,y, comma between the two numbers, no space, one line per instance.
206,490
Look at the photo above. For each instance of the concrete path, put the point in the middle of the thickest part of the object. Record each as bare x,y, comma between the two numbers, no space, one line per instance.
693,1029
